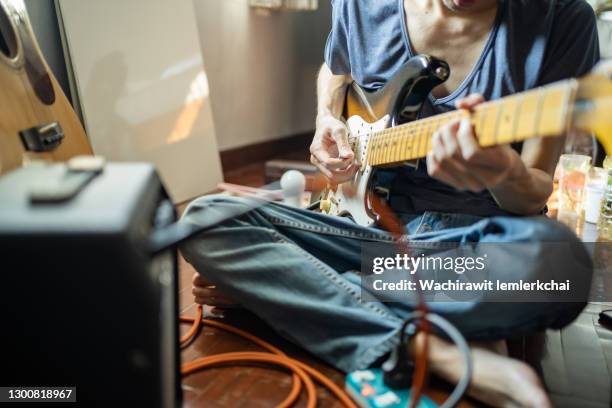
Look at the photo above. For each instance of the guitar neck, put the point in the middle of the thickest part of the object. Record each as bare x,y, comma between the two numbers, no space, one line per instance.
540,112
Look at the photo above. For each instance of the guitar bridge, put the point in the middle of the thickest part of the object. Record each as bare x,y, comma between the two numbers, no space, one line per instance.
43,138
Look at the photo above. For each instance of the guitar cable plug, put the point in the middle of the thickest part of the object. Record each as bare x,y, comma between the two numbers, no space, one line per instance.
398,369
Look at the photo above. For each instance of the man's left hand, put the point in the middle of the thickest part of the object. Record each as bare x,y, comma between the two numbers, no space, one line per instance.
457,159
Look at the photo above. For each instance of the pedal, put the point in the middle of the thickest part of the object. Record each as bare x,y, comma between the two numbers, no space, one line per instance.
368,390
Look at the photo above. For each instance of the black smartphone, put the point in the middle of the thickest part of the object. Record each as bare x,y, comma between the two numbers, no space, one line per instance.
605,318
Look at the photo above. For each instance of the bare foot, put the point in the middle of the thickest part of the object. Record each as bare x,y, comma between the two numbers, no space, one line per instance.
206,293
498,380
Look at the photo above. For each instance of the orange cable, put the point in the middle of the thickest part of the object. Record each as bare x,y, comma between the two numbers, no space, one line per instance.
249,357
302,373
194,329
197,322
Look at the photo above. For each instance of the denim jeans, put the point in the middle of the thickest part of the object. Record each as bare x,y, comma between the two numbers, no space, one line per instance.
297,270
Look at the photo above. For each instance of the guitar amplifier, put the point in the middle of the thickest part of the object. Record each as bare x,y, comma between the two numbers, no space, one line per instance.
84,302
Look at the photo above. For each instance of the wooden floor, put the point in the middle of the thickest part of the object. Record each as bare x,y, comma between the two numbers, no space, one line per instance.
575,363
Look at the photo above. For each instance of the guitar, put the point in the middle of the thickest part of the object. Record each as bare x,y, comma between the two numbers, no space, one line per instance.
383,129
36,119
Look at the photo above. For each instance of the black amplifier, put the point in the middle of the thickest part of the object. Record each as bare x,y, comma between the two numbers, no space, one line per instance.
84,300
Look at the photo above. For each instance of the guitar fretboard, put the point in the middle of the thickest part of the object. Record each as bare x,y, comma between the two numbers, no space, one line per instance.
540,112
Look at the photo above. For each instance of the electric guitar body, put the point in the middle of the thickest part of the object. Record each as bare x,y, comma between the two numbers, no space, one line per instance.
384,130
367,113
36,119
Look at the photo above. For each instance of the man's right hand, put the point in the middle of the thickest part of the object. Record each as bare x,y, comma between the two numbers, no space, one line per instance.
330,150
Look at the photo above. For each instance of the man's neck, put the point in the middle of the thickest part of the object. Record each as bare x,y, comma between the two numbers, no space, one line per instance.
456,37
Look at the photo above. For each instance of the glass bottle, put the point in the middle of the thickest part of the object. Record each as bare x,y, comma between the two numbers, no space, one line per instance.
604,226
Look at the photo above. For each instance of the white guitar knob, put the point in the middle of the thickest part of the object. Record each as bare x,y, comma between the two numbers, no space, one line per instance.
293,184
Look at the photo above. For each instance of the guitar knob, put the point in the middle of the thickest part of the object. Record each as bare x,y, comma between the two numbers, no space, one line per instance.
325,206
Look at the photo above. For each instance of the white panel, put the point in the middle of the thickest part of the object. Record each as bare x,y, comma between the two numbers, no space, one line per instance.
143,87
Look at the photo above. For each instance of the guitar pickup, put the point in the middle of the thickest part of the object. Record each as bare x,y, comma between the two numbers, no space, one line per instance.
43,138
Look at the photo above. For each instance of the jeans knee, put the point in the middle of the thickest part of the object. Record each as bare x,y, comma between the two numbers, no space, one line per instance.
209,213
560,241
216,203
547,230
220,210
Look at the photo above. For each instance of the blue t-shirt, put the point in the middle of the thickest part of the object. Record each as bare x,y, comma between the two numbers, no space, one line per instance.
532,43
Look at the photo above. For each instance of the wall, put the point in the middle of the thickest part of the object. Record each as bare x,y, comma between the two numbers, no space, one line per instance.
261,68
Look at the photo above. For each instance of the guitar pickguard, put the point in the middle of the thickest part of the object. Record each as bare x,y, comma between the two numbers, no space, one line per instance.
352,198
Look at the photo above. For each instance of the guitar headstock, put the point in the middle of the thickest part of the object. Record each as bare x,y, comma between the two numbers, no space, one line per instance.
593,104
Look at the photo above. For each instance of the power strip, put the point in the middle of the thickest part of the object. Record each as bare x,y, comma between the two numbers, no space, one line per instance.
368,389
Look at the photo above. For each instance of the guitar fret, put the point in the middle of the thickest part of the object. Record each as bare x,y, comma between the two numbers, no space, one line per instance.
380,148
403,143
524,122
394,149
413,143
519,105
570,95
394,139
376,149
411,147
489,123
387,148
428,138
500,109
401,139
391,144
538,112
432,125
431,129
554,117
423,140
373,149
480,127
417,141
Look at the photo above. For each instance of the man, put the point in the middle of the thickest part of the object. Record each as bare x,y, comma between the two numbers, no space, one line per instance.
294,268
